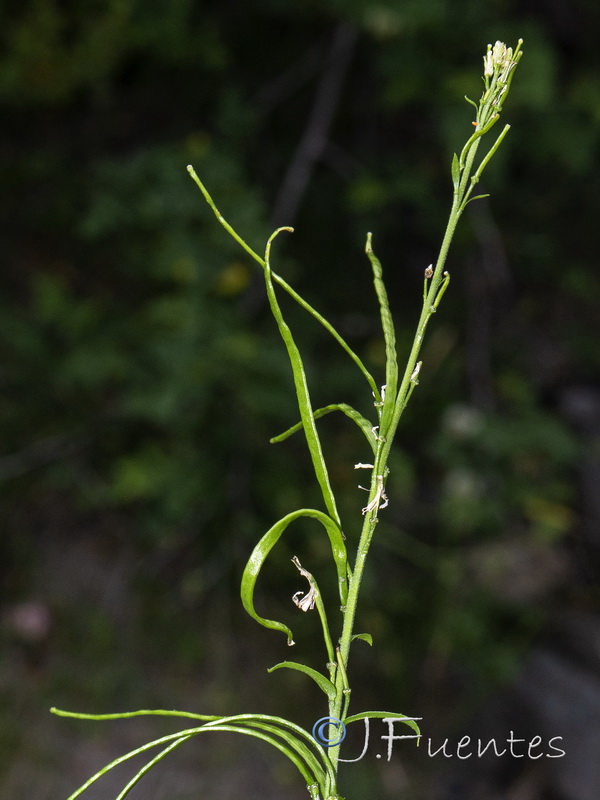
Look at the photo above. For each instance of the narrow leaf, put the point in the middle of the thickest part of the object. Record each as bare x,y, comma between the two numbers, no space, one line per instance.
477,197
366,637
363,423
455,171
323,683
410,721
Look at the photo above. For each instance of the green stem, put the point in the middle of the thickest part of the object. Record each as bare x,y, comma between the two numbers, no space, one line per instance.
439,282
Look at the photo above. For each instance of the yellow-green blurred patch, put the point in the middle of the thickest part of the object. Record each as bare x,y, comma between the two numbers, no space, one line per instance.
232,279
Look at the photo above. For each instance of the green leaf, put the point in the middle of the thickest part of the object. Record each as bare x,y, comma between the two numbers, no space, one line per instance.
323,683
364,424
266,544
455,171
381,715
366,637
477,197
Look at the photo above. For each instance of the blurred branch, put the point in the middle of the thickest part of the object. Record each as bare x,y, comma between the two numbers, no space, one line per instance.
286,83
314,138
38,454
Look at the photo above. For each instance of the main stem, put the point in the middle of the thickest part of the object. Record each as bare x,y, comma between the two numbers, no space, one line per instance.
386,437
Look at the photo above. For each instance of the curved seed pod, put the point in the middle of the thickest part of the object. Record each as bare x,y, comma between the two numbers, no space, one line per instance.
301,386
266,544
284,285
389,335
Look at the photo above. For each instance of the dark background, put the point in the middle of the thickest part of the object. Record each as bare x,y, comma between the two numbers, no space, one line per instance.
141,377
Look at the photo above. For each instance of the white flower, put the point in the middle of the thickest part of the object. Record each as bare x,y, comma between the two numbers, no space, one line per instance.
498,60
488,64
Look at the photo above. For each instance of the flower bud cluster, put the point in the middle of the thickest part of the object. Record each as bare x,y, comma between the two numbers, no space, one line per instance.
498,65
499,60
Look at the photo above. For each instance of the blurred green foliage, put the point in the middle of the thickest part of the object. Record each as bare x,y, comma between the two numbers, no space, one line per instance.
140,372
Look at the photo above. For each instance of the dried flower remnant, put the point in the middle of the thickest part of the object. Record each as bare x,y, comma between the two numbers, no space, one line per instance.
305,600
